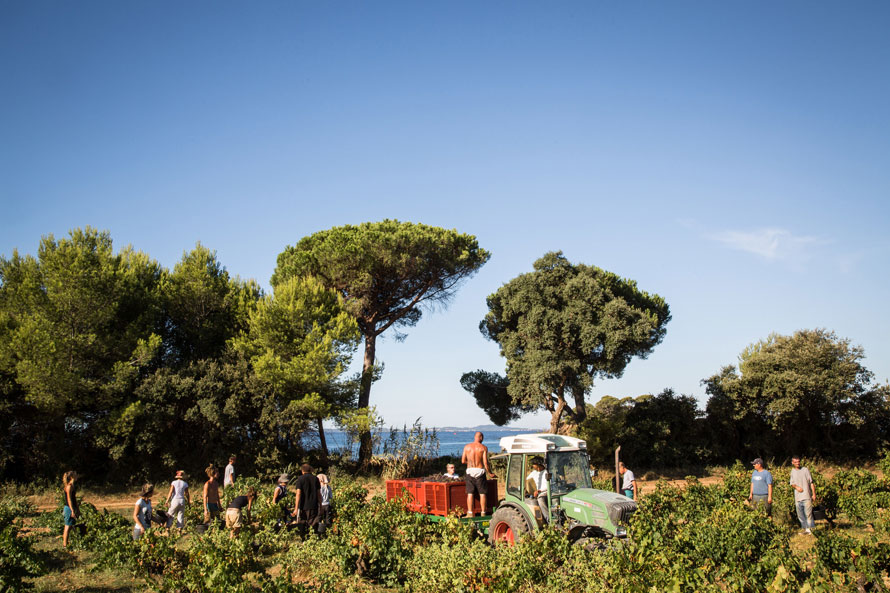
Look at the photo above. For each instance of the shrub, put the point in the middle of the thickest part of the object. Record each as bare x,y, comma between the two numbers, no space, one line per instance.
17,556
409,452
859,495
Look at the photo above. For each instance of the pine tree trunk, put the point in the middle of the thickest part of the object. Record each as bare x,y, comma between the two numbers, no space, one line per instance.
364,397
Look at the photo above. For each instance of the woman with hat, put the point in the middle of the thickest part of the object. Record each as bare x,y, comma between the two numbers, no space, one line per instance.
142,511
279,496
177,498
70,508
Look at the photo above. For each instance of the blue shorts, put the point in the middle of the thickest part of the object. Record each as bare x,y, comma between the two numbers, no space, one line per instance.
66,514
628,492
212,507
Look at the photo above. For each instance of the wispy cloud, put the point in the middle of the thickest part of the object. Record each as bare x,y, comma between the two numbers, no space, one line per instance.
769,243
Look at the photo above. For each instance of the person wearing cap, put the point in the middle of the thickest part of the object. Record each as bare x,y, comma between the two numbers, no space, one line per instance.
142,511
177,498
279,496
211,495
629,481
804,495
541,485
70,508
761,494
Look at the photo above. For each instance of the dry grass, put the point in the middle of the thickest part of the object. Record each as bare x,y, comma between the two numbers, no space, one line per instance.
71,571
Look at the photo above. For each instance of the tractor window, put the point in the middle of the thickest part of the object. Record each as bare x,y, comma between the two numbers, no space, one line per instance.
514,476
568,471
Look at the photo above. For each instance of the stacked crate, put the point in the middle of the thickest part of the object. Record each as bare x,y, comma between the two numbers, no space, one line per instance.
440,498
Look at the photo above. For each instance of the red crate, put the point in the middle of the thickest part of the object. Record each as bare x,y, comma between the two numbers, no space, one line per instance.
440,498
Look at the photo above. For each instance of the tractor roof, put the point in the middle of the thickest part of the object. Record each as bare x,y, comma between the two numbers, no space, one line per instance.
541,443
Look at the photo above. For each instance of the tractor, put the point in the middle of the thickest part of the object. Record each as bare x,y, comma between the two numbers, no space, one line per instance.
589,516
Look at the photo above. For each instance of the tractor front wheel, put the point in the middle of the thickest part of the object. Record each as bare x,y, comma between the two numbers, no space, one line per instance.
507,526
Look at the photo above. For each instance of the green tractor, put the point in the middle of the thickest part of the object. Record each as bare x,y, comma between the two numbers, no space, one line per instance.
590,516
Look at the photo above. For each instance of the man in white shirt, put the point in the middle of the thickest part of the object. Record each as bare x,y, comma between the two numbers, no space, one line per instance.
229,479
629,482
539,477
804,494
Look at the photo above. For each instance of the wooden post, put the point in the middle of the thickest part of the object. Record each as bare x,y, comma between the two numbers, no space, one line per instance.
617,475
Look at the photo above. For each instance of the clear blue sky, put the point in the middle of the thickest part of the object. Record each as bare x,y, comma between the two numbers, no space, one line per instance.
733,157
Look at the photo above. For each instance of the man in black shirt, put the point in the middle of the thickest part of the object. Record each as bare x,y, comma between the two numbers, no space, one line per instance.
308,504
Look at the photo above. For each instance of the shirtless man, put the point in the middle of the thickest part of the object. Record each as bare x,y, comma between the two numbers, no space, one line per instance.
211,495
476,458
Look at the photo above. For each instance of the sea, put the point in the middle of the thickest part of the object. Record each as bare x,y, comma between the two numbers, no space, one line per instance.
451,439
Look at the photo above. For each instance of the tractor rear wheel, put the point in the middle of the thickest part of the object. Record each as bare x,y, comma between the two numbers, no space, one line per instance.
507,526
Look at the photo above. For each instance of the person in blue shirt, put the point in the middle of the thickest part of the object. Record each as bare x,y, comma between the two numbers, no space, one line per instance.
761,495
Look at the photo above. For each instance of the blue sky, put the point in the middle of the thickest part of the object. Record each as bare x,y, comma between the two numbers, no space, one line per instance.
732,157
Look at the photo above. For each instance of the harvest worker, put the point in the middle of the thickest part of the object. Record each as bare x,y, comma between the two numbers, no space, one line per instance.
234,518
804,494
761,494
308,504
450,473
326,494
629,482
211,495
539,477
70,508
177,498
142,511
279,496
229,478
476,457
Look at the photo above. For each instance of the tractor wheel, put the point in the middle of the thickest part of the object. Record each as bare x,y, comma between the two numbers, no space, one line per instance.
507,526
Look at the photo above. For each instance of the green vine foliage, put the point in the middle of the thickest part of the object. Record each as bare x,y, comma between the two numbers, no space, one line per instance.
701,538
17,556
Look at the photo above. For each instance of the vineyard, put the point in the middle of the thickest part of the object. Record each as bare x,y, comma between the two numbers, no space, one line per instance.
694,537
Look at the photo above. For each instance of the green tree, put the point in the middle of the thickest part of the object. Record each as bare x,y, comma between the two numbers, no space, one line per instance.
204,307
386,272
300,340
603,425
564,324
76,331
490,392
663,430
804,392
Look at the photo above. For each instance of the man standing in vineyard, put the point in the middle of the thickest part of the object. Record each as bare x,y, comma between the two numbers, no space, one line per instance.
476,458
761,494
307,507
804,494
229,478
629,481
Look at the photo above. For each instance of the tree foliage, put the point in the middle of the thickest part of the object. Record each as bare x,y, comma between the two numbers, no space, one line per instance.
300,341
387,272
804,392
114,363
491,394
563,325
663,431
